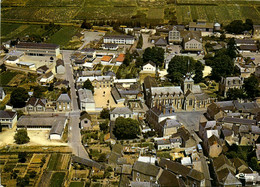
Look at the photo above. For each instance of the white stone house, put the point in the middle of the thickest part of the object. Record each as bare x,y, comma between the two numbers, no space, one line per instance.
124,112
8,118
149,67
87,102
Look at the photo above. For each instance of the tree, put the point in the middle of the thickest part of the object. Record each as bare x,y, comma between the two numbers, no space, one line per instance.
231,48
86,25
104,114
235,93
222,65
32,174
38,91
21,136
126,128
103,126
102,157
154,54
198,72
3,68
18,97
139,62
22,157
128,58
140,42
251,87
88,85
23,181
238,27
178,67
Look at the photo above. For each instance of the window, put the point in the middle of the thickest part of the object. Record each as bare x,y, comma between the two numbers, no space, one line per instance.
190,102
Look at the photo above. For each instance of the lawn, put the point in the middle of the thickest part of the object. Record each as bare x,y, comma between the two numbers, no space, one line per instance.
57,179
6,77
76,184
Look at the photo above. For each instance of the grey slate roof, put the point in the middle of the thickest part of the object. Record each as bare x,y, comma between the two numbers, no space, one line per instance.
37,45
146,168
237,120
27,121
7,114
166,90
57,128
63,98
161,42
121,110
86,95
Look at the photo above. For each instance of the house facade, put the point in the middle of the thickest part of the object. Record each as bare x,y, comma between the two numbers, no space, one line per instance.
8,119
230,82
60,67
86,99
35,105
174,36
124,112
63,103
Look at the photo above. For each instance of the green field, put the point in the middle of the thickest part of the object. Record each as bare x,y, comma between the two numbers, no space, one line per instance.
67,11
54,161
63,36
57,179
6,77
76,184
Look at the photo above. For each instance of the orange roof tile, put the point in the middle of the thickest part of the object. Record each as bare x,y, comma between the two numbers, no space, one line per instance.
106,58
120,58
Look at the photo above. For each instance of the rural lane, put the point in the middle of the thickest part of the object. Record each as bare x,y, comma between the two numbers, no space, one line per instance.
74,130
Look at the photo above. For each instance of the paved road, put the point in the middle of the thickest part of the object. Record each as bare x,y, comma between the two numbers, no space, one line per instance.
74,130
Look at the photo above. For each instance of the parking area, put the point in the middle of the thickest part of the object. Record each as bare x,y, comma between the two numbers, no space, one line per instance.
104,99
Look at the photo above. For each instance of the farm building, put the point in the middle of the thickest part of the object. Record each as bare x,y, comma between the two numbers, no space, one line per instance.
38,49
201,25
55,124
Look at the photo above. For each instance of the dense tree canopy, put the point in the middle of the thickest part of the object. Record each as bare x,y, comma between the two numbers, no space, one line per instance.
221,64
21,136
238,27
88,85
178,67
199,67
128,58
251,86
104,114
19,97
235,93
126,128
154,54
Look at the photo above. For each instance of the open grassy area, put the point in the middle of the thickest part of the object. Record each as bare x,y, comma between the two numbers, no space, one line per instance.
57,179
6,77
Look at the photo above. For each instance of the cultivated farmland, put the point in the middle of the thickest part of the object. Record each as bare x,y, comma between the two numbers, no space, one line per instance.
65,11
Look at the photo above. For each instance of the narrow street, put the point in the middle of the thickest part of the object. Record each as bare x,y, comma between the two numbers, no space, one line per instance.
74,130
